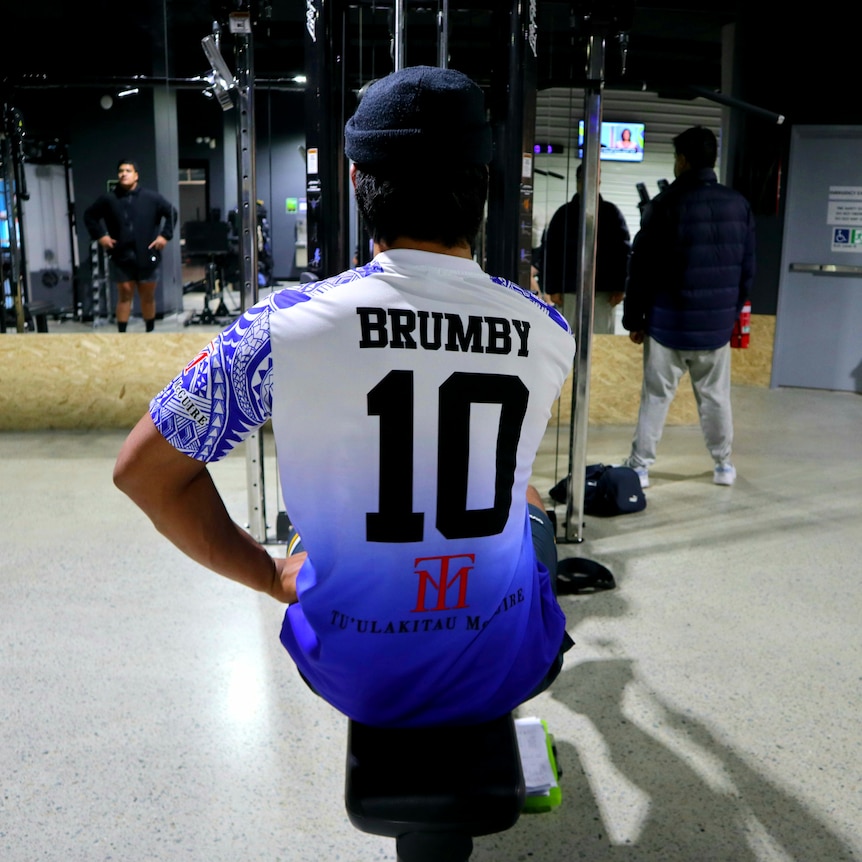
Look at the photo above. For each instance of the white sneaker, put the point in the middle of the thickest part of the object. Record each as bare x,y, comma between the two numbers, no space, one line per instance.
643,473
724,474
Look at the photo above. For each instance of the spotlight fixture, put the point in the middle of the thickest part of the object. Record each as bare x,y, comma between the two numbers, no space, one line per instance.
221,80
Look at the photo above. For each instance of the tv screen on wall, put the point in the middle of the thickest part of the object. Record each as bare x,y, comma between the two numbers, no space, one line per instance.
620,142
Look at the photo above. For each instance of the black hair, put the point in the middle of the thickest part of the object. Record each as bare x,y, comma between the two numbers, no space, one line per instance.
698,145
444,205
131,162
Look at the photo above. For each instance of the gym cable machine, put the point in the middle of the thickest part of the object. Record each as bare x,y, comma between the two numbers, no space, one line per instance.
327,193
511,99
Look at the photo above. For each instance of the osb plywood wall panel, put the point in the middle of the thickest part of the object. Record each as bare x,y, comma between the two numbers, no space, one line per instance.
106,380
616,371
98,380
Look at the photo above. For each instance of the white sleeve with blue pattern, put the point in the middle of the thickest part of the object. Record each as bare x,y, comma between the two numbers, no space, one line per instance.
225,393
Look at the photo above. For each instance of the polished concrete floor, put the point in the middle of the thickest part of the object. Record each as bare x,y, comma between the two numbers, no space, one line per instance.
709,711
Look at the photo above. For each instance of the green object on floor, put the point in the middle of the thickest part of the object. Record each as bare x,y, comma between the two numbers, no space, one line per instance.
539,798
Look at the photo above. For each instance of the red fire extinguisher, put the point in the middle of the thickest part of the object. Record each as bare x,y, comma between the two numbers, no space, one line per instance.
742,327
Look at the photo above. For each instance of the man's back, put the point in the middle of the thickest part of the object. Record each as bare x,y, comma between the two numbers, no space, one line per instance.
425,391
559,264
692,264
690,273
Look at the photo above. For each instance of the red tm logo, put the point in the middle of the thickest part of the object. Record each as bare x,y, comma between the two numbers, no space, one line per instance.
445,574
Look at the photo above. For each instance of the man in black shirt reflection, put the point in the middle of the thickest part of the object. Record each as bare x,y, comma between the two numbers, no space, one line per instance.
133,224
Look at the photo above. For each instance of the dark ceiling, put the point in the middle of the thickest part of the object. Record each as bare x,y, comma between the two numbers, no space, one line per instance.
802,66
62,43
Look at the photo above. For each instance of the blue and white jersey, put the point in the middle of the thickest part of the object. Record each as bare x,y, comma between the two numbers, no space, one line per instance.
408,399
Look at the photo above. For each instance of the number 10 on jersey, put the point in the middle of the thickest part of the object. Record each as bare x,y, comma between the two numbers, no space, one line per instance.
393,400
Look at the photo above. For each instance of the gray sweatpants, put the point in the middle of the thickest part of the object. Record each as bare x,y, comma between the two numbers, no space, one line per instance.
663,368
604,314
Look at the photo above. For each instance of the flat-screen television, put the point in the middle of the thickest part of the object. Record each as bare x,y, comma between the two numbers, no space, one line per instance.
620,142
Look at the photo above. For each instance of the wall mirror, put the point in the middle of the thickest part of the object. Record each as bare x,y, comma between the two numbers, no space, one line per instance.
145,95
149,94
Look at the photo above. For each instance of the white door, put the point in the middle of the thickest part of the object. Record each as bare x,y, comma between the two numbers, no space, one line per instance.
818,330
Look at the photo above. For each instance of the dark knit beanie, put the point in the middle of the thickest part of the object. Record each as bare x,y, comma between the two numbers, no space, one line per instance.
421,112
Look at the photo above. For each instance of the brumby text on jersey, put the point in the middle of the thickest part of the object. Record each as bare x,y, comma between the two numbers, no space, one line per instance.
406,329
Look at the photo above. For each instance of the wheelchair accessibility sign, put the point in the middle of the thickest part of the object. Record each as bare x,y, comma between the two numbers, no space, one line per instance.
847,239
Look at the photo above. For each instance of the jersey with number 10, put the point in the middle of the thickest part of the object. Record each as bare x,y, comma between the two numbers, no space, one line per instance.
408,399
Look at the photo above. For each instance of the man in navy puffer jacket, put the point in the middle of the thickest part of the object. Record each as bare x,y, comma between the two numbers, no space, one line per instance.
690,273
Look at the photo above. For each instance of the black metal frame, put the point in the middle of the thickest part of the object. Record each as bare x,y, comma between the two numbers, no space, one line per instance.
326,178
330,100
512,102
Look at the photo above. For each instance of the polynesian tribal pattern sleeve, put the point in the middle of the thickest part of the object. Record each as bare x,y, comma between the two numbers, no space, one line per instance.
551,311
225,393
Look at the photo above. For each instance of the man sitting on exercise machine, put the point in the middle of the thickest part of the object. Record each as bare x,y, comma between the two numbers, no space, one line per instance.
408,399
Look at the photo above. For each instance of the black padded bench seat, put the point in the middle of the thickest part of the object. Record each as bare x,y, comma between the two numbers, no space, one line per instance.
433,789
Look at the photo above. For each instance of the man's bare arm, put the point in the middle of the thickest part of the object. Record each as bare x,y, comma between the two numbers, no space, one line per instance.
177,493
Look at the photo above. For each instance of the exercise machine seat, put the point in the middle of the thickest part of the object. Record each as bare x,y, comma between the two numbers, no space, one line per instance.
434,788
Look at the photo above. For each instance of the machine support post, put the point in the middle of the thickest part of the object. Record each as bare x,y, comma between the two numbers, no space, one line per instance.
398,37
582,321
443,36
611,19
326,175
247,206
